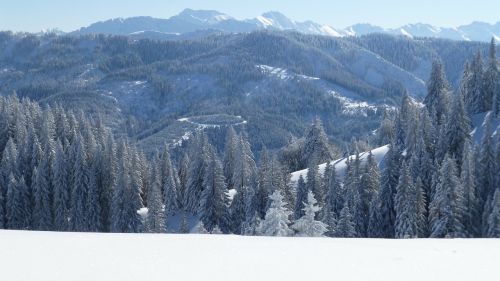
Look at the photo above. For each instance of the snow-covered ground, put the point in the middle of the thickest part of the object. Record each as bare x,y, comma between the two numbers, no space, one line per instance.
50,256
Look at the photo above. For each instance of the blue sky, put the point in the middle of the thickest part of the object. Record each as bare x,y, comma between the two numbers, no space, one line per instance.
35,15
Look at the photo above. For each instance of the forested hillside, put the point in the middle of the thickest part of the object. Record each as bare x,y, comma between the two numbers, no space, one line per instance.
65,167
278,82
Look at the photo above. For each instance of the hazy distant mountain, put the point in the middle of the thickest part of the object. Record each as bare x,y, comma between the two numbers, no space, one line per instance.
189,21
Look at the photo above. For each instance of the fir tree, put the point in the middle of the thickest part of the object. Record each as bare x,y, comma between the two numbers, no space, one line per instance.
346,227
200,228
474,99
230,156
472,219
307,225
276,220
301,198
155,222
490,79
447,205
494,216
80,188
406,225
316,147
42,211
18,204
437,93
60,182
457,129
213,201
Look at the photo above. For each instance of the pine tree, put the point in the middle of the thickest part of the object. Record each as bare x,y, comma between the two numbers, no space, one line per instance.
447,205
301,198
60,182
276,220
313,182
213,201
369,186
198,156
486,175
389,181
457,129
155,222
42,211
472,219
307,225
490,79
406,225
80,188
316,147
18,204
437,93
346,227
230,156
421,205
494,216
474,100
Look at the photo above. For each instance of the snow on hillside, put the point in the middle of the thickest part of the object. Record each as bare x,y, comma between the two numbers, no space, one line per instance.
478,122
51,256
340,164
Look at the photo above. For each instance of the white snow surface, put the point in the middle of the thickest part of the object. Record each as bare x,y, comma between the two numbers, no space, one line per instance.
340,164
51,256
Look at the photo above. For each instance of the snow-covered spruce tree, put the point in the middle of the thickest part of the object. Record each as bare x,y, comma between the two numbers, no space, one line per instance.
276,220
345,226
197,154
18,204
251,226
457,130
80,187
490,78
369,185
316,147
389,181
93,205
8,165
244,180
170,182
266,182
474,99
486,172
216,230
447,207
60,183
421,202
183,176
42,210
132,196
313,182
353,196
230,155
155,221
494,216
307,225
301,198
437,97
213,201
472,218
402,122
406,225
333,201
118,220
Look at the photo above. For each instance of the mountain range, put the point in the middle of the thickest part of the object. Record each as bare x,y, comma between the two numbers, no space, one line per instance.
193,21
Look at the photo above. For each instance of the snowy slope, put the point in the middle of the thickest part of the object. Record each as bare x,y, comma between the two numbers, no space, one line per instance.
340,164
478,121
50,256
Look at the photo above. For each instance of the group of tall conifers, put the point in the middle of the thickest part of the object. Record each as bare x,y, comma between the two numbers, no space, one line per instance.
64,171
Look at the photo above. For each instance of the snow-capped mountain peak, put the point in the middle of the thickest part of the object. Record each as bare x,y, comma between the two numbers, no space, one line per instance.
204,16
